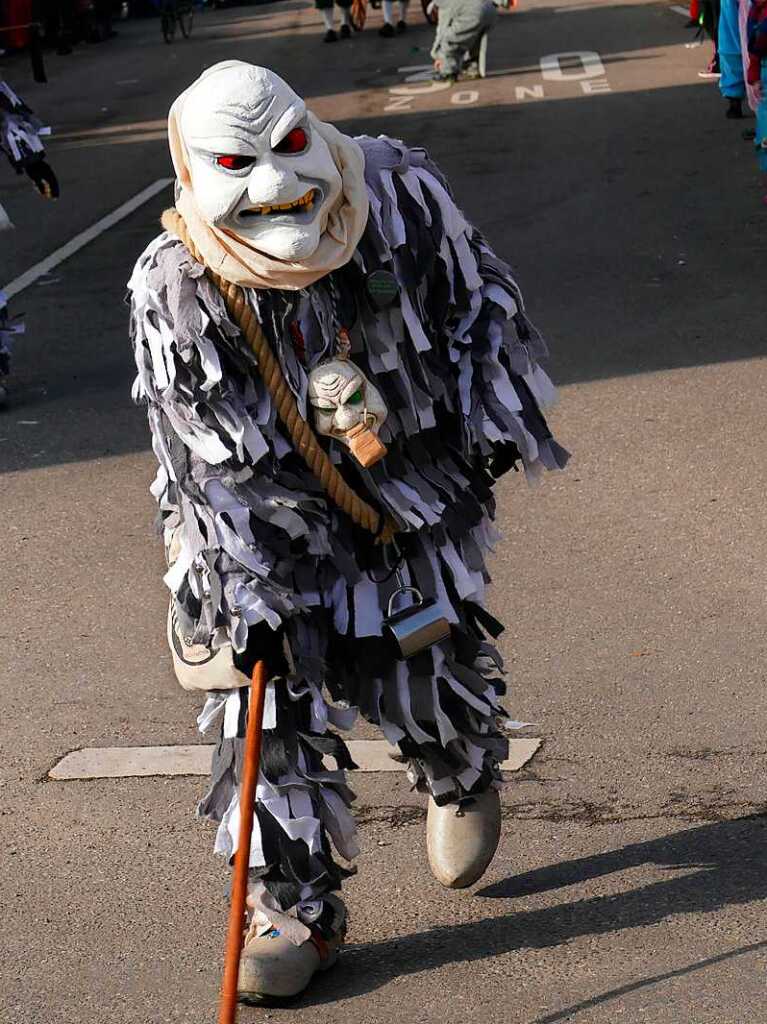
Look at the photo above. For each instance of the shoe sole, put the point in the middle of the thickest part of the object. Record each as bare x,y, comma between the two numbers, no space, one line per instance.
264,999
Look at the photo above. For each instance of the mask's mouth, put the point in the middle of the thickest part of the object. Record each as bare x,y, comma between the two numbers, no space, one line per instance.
304,205
366,422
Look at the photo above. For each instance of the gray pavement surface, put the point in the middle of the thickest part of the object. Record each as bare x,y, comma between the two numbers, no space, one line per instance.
631,881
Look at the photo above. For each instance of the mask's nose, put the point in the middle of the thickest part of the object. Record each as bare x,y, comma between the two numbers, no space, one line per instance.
270,182
347,417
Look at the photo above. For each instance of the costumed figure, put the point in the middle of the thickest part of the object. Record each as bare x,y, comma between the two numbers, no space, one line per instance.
336,367
327,9
756,29
732,84
461,26
21,136
753,89
709,25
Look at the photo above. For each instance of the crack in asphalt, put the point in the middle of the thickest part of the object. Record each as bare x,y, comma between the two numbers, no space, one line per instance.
580,812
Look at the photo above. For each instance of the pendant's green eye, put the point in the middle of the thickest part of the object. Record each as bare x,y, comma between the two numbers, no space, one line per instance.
356,397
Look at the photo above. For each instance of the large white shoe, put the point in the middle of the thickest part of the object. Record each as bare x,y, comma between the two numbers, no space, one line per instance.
198,667
273,969
461,839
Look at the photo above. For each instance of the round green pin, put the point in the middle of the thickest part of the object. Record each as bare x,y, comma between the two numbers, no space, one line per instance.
382,288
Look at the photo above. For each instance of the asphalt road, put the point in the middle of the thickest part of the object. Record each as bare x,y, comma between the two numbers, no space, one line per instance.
632,877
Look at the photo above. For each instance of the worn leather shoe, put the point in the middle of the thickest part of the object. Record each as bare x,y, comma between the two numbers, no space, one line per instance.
274,970
198,667
461,839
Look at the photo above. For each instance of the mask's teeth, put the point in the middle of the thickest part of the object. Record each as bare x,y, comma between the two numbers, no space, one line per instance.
305,202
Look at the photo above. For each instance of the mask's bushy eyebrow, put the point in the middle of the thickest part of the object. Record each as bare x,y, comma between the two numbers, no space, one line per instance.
288,120
235,120
249,117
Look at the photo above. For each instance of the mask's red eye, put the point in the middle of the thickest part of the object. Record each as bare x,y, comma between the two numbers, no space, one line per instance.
294,142
232,162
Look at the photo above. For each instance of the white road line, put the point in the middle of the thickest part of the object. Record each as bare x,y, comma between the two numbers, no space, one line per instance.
80,241
678,9
136,762
582,7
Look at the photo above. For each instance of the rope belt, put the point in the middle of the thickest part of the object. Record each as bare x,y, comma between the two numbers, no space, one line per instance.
301,434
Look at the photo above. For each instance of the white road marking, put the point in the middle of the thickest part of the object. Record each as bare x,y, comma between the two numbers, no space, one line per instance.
137,762
595,85
84,238
416,90
589,66
419,76
574,8
524,92
399,103
678,9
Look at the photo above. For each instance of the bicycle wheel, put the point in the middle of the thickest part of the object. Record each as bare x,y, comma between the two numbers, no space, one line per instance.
358,14
168,19
186,20
430,11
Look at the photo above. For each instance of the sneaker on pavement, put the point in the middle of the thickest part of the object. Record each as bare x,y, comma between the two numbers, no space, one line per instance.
330,36
386,30
346,32
401,26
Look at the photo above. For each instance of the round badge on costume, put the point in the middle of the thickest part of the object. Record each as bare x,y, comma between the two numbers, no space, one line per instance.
382,288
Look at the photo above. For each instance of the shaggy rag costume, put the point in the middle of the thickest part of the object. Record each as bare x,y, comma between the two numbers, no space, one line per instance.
261,554
20,139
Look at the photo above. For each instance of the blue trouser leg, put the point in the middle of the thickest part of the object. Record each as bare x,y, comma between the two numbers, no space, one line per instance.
731,84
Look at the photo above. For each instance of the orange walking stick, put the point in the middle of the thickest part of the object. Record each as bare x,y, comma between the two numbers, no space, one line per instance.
234,938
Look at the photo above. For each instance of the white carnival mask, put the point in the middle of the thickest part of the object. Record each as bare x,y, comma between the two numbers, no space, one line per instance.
348,407
259,169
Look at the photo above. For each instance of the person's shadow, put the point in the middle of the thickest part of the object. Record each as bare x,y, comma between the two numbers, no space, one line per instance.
724,863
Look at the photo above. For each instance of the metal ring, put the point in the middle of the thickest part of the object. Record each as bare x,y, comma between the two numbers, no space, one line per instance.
404,590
